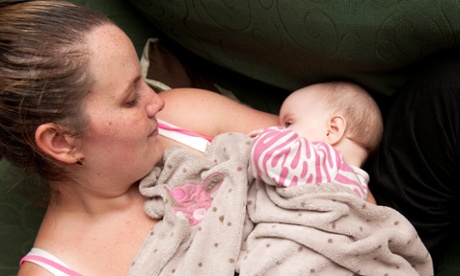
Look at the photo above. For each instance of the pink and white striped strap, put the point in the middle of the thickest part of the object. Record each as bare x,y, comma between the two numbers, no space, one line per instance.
165,126
40,260
183,136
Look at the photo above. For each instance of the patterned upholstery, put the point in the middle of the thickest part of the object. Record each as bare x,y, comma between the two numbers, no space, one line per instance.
293,43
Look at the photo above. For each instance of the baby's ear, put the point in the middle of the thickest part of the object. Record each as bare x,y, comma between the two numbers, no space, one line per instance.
52,140
336,127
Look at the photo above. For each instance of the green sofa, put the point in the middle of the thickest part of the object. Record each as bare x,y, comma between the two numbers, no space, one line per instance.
260,51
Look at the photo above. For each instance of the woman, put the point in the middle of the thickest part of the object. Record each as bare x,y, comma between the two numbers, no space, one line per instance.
75,108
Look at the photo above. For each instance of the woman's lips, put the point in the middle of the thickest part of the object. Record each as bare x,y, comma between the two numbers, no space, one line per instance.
154,132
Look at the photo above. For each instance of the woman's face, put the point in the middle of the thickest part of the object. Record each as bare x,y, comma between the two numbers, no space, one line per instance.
121,140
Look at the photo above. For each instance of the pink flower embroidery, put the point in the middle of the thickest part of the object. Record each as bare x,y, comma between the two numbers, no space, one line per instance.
193,200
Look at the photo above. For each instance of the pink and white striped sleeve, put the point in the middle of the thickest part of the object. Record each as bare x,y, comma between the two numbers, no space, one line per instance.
281,157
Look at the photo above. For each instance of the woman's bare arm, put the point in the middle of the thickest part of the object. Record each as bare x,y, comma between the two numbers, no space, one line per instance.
210,114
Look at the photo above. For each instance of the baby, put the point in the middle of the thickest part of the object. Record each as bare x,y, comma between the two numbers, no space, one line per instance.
326,133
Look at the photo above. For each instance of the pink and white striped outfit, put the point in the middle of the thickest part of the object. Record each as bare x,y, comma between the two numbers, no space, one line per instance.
280,157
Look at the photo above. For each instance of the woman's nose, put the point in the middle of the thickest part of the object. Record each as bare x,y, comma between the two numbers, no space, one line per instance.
155,104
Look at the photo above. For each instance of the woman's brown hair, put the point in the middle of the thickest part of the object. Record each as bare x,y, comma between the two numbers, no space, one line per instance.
44,76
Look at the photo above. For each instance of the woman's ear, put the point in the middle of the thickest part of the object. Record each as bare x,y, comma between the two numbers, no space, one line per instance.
336,128
52,140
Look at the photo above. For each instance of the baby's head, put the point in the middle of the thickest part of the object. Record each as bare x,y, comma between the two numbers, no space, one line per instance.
332,112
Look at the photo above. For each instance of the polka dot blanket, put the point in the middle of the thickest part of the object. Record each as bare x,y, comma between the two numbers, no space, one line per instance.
214,219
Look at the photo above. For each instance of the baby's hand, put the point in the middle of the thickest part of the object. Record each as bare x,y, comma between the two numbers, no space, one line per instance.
255,133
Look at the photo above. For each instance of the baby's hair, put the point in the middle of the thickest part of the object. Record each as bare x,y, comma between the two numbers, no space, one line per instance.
356,105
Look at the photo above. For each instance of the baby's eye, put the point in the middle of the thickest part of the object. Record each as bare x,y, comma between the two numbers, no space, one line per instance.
287,124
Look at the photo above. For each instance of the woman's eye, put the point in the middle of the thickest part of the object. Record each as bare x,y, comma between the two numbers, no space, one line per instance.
134,101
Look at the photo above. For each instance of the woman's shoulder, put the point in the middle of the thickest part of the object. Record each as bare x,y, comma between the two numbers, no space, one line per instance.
32,269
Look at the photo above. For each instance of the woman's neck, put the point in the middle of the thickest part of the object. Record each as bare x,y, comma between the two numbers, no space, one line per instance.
77,198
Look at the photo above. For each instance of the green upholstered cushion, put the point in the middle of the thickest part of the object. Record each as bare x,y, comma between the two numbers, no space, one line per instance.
293,43
19,218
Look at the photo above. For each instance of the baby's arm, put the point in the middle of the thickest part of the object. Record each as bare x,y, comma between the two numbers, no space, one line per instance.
273,156
281,157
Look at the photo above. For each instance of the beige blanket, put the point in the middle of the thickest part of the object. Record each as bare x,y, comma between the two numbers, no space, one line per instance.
327,230
202,203
212,224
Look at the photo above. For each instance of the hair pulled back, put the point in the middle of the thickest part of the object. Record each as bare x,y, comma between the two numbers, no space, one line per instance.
44,75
